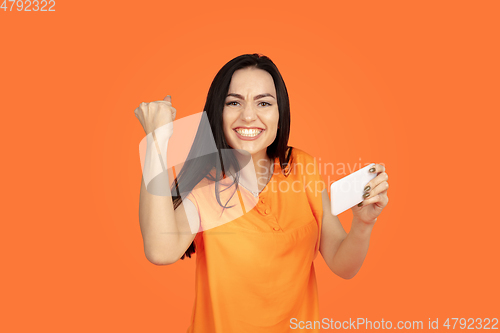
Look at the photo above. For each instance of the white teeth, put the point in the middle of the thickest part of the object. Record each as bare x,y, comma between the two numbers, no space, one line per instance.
248,132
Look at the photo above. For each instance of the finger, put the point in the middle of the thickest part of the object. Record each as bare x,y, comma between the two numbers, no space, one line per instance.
138,112
153,107
174,113
380,200
166,101
377,168
383,186
384,199
167,106
376,181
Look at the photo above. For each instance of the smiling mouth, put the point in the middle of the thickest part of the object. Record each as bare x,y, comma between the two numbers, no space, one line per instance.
248,132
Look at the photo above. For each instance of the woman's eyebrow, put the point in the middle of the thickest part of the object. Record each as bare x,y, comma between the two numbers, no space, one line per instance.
255,98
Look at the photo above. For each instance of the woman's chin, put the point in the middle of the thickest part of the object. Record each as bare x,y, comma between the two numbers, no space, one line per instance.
247,151
243,152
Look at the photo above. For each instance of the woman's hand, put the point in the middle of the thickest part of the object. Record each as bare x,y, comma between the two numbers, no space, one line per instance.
155,114
376,198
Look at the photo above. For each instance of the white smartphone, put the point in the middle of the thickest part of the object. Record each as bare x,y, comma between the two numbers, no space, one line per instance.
348,191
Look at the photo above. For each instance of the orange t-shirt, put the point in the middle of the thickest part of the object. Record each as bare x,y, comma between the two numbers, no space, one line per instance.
256,273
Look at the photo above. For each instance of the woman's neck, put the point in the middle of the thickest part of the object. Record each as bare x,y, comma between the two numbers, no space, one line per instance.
263,168
263,171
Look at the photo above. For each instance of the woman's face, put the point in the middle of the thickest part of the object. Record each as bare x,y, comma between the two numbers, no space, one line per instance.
250,115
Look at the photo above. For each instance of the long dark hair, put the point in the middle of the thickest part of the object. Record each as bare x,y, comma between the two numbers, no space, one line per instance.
196,168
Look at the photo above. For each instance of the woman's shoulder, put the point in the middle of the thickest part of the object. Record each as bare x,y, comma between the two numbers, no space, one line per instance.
301,156
301,162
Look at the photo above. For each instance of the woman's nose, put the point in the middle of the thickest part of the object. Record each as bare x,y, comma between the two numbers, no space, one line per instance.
249,112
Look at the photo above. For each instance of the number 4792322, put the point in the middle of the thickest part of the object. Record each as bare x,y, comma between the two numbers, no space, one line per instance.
28,5
471,323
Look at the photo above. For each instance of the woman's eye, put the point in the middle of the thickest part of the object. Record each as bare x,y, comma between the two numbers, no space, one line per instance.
235,103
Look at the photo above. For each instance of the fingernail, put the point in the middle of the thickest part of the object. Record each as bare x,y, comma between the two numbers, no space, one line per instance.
360,204
366,195
367,188
372,170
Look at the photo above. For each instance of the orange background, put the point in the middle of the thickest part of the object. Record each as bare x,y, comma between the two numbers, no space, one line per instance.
412,85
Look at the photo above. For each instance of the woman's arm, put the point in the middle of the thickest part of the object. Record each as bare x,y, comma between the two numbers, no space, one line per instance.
343,252
166,233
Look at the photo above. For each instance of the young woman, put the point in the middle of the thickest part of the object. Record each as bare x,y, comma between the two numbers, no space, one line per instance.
255,270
